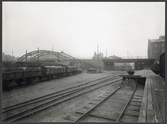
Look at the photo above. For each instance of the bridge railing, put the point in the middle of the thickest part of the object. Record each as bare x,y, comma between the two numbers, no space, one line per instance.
83,57
134,57
123,57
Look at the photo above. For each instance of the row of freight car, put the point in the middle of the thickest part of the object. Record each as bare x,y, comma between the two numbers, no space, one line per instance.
28,74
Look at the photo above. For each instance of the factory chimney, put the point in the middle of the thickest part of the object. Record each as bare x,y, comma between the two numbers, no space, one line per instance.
97,50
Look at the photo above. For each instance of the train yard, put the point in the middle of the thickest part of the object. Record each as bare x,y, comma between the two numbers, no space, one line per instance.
113,106
50,100
83,62
85,97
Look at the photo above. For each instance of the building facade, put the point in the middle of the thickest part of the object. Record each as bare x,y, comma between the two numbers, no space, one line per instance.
156,47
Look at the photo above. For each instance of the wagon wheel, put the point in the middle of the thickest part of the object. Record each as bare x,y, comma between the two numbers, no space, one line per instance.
19,82
29,81
48,77
5,84
40,78
51,76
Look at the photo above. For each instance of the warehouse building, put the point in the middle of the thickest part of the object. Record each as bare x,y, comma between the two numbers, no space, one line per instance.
156,47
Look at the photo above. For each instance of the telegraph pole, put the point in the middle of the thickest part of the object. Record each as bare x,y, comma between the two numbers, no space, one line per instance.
38,54
12,56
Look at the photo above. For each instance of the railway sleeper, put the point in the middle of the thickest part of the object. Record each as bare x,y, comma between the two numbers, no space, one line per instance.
132,113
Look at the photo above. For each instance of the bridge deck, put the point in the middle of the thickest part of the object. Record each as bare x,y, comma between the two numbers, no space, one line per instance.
153,102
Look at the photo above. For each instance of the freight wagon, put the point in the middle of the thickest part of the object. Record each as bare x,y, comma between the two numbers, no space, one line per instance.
162,65
28,74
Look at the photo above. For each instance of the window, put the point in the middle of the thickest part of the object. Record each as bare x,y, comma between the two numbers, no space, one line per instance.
156,51
156,45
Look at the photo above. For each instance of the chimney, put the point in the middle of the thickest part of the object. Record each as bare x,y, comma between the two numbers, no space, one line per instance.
97,50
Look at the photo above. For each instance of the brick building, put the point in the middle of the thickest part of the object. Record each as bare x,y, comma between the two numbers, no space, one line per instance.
156,47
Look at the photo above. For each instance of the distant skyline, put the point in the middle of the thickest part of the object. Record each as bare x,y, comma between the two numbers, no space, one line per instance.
76,28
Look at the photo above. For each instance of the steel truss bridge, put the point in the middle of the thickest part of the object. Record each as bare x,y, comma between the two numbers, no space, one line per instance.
35,56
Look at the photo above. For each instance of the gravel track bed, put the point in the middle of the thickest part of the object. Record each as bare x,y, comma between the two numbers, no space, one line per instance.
37,89
65,109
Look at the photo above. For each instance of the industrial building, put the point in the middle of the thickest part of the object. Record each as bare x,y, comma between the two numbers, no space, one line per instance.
156,47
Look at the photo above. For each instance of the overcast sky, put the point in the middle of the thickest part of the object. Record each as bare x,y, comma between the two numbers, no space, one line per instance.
76,28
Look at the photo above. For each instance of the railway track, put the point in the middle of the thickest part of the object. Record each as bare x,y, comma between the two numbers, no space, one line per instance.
123,109
21,110
58,93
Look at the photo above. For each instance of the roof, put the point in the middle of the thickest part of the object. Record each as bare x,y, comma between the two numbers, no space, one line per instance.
161,37
114,57
157,40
